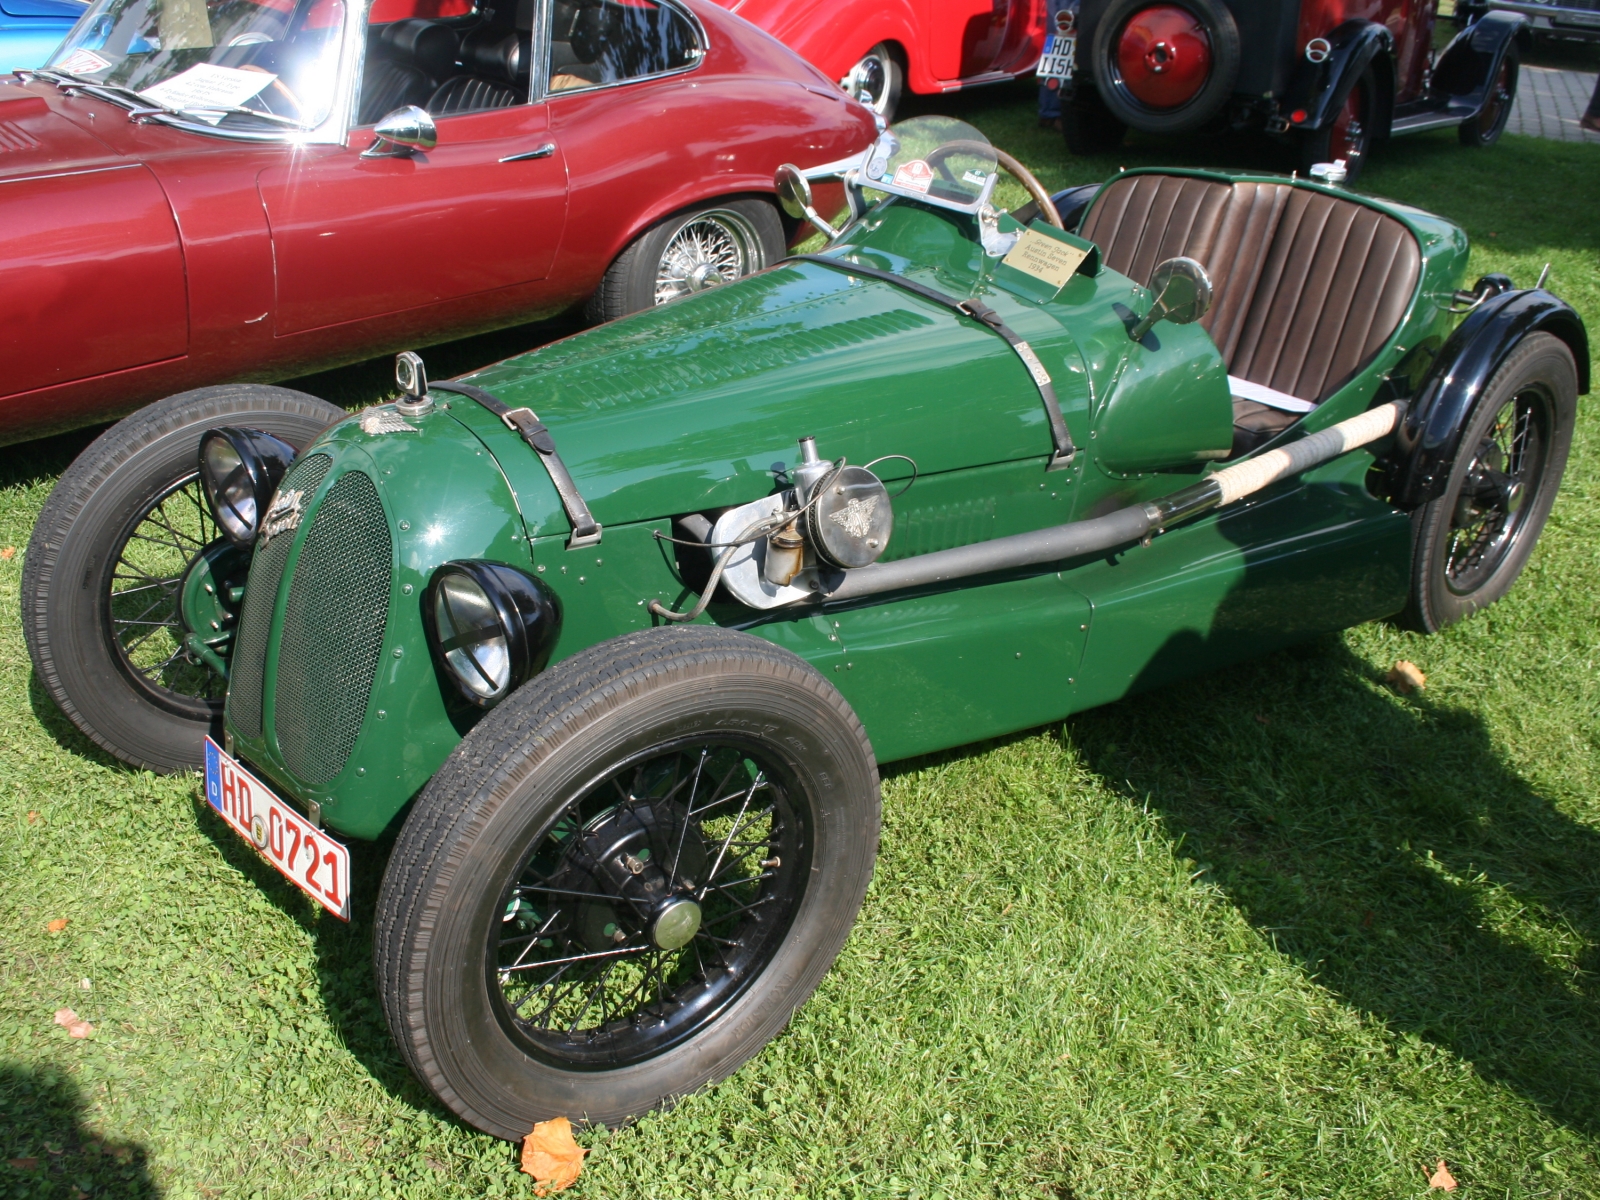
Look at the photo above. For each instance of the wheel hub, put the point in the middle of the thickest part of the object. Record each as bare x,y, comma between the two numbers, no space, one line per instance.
705,276
676,922
1164,56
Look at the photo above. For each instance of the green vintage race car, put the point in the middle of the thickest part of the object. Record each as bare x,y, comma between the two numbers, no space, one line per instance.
613,635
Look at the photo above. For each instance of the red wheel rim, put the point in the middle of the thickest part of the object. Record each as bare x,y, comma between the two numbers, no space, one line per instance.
1164,56
1347,137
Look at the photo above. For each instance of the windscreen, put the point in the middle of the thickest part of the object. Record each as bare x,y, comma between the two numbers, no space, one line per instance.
237,64
936,159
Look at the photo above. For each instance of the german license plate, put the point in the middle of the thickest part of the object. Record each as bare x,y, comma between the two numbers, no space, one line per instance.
307,857
1059,59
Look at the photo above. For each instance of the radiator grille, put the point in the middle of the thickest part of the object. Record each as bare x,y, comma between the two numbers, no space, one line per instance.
333,627
260,594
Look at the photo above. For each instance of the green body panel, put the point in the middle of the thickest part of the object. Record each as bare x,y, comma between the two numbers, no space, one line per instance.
444,497
698,405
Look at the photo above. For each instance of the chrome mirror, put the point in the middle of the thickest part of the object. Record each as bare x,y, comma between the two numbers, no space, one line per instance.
402,133
1182,295
794,194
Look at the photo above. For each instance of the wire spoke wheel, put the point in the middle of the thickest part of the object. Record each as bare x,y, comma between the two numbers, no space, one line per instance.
650,902
1491,509
709,249
142,616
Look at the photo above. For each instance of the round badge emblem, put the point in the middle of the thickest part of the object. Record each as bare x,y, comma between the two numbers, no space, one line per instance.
258,831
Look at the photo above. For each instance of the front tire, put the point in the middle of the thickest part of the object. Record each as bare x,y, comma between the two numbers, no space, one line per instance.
1471,543
105,561
876,81
552,938
691,251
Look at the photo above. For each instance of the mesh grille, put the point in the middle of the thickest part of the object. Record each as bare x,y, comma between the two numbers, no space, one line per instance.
333,630
260,594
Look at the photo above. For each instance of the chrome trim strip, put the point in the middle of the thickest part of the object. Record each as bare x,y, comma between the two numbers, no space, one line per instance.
66,174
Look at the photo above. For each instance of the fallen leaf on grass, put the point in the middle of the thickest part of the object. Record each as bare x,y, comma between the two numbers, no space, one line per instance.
1261,718
1404,677
24,1164
33,817
1441,1178
73,1023
57,925
8,553
551,1156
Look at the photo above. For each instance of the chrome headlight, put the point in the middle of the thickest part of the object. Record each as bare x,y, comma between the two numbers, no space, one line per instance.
490,627
240,469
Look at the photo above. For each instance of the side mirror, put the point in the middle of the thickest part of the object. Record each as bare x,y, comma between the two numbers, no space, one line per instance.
1182,292
794,195
402,133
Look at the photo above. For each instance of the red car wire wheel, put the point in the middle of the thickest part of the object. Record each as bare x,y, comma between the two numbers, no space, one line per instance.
1164,55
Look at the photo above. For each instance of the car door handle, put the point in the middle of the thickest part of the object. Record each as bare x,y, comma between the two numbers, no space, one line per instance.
544,151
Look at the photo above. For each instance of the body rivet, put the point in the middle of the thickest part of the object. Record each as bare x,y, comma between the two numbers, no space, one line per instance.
398,652
406,590
405,524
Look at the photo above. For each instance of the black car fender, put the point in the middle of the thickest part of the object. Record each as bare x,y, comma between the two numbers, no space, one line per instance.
1473,57
1320,88
1441,400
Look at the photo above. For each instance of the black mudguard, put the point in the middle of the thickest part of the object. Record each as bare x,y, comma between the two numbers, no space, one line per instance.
1473,57
1320,89
1442,393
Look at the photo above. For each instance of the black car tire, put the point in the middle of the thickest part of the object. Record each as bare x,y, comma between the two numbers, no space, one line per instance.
1448,582
749,230
1485,126
1088,126
105,497
516,781
1213,95
1317,146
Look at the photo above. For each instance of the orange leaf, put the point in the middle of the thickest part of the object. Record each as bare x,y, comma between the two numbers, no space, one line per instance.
33,818
551,1156
57,925
24,1164
75,1025
1441,1177
1404,677
8,553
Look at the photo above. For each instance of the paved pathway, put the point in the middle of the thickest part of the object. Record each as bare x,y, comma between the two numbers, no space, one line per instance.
1549,103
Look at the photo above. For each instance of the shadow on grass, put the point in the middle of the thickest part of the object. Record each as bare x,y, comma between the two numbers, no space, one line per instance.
1384,843
49,1152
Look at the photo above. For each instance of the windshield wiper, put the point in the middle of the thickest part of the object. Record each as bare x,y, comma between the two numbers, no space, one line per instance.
240,110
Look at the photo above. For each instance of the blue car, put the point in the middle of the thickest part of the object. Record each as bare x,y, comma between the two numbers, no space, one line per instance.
30,30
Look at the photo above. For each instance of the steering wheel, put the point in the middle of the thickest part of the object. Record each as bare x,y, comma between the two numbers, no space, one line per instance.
1020,173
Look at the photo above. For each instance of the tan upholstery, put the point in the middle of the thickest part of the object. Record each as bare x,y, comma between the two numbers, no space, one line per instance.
1308,286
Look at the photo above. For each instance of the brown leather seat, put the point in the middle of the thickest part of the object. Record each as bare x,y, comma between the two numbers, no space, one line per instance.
1308,287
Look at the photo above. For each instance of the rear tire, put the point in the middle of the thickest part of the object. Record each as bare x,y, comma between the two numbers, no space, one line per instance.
136,485
1350,135
557,815
1088,126
1469,545
691,251
1486,126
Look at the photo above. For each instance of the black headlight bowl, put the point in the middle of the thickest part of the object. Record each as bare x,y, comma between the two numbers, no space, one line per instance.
240,469
490,627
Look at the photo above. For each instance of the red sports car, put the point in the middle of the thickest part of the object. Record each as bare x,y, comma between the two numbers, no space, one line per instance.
199,191
874,47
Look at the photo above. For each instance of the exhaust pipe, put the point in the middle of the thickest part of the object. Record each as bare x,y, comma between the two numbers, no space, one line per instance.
1079,539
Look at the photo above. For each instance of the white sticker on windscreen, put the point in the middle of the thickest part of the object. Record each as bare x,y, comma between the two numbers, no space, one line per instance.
207,85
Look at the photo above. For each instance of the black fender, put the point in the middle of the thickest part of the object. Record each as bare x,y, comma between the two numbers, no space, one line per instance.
1441,401
1472,59
1320,89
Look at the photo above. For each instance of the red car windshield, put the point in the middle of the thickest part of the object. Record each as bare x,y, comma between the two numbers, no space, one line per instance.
231,64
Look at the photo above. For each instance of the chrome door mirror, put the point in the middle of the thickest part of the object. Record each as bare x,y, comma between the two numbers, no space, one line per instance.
402,133
794,194
1182,295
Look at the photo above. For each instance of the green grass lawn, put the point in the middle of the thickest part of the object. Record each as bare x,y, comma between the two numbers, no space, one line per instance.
1276,932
